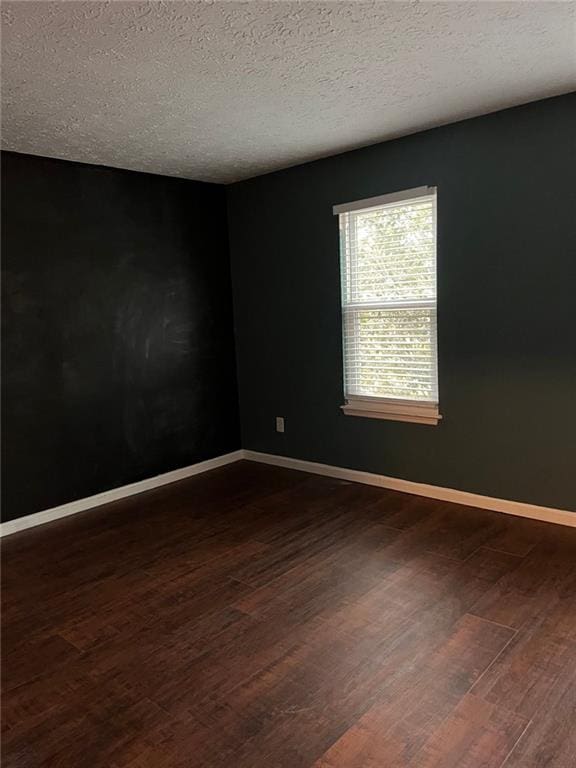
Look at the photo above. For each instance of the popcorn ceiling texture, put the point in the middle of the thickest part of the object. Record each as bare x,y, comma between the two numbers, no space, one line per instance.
221,91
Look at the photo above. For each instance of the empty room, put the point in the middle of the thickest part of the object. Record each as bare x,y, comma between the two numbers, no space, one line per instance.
288,384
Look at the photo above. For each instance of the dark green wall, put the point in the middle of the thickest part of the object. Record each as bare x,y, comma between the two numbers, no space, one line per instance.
118,345
507,306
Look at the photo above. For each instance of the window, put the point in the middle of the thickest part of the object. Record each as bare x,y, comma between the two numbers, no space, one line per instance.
388,265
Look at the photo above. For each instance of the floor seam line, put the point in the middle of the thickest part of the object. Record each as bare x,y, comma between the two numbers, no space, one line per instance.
490,621
528,724
494,660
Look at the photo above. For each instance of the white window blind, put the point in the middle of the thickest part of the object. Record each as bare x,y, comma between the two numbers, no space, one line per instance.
388,264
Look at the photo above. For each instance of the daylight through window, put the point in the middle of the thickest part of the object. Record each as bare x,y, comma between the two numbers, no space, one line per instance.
388,264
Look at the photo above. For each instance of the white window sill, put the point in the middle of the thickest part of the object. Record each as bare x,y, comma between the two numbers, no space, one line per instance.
375,408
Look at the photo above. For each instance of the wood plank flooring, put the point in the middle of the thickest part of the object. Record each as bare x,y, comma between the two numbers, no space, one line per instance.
260,617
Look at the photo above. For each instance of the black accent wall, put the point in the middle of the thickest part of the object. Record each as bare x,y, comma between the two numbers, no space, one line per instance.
118,353
507,306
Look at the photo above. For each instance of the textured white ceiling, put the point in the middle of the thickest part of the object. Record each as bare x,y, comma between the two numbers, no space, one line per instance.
220,91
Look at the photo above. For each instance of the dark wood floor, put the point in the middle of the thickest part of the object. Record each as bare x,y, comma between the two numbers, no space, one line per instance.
259,617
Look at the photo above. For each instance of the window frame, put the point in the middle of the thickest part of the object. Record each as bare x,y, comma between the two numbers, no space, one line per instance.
390,408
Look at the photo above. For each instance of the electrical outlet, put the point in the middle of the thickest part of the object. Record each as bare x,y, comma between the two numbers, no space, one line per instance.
279,423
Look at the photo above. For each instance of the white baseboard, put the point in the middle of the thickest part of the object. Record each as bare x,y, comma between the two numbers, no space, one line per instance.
114,494
519,508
